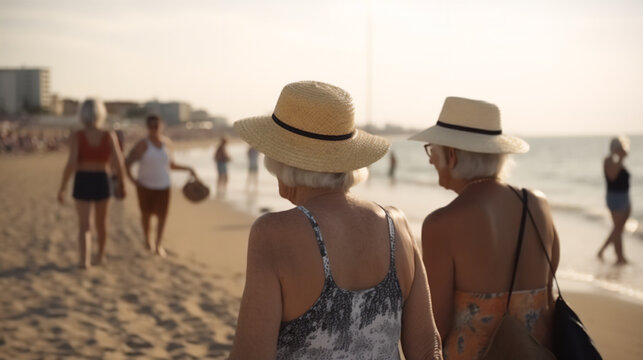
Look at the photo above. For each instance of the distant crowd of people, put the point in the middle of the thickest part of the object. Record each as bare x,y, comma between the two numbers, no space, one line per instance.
29,141
342,277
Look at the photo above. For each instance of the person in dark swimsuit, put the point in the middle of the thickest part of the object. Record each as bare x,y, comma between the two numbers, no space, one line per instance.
336,277
90,152
618,196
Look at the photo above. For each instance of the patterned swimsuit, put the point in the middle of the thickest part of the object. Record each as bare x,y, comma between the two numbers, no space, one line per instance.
345,324
477,315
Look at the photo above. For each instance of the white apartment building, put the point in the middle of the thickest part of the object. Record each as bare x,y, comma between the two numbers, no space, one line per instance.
24,89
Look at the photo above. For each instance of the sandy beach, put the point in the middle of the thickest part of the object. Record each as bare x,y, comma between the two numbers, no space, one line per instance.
136,305
140,306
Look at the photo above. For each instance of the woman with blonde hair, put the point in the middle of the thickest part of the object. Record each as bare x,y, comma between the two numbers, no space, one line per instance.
336,277
617,196
92,153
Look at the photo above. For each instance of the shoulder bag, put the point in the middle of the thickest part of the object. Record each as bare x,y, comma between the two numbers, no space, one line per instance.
571,341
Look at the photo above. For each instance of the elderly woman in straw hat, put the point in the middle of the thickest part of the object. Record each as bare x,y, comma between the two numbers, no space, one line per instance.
470,245
336,276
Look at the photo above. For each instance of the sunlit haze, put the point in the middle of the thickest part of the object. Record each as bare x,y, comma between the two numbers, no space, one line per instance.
553,67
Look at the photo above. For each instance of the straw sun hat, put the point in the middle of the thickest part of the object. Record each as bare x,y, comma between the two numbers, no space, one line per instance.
313,128
471,125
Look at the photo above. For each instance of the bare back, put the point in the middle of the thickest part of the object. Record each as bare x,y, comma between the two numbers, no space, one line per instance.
484,243
357,242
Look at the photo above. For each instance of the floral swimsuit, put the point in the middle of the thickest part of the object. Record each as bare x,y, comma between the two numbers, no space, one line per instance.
477,315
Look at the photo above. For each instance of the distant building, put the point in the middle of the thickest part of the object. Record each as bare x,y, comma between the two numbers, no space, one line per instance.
172,113
70,107
199,115
120,108
24,90
56,105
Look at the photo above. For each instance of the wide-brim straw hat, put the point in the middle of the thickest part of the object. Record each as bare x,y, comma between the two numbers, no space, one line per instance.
471,125
313,128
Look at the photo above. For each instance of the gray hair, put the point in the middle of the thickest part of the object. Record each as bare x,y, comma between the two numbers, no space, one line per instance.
92,111
619,143
293,176
472,165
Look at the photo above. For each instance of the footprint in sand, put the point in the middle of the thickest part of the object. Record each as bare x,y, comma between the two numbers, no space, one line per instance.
130,298
174,346
136,342
57,330
176,307
168,324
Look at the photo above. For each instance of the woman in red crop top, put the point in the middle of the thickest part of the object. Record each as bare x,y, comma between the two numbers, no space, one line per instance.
93,152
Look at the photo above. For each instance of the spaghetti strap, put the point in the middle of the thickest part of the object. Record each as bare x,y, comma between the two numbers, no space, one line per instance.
391,234
320,241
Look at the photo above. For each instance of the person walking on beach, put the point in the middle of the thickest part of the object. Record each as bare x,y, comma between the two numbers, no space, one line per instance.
252,182
154,155
221,159
618,195
90,152
336,276
470,245
392,167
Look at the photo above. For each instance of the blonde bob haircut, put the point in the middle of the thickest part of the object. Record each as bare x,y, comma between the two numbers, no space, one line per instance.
92,112
293,176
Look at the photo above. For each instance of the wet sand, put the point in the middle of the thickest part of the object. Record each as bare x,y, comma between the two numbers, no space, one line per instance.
140,306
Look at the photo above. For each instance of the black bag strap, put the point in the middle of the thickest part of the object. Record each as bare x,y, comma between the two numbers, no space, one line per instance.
540,239
521,232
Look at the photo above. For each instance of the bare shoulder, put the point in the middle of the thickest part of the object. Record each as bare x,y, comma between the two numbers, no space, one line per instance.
401,224
273,226
396,215
538,197
443,216
438,227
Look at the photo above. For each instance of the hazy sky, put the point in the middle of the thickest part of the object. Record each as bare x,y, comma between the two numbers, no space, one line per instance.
553,66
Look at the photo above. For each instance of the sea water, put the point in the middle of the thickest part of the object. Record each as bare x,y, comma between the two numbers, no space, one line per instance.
568,170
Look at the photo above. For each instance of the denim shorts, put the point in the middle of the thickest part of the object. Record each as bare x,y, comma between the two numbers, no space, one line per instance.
617,201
